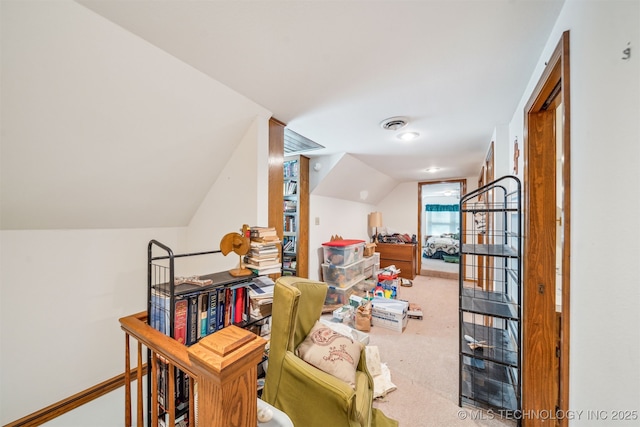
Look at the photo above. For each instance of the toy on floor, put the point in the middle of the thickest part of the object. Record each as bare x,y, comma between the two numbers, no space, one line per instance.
414,311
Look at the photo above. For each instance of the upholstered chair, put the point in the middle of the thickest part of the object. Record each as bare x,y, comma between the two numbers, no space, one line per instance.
309,396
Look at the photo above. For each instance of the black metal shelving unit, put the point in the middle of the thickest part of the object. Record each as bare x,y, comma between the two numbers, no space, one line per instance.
490,306
162,295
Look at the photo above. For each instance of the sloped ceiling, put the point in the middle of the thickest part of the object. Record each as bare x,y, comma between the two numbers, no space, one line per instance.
346,177
332,70
121,114
100,129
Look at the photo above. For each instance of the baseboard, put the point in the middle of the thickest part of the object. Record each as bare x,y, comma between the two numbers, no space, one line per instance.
440,274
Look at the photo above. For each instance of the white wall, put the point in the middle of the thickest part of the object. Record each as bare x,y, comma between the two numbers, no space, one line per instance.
605,205
336,217
400,209
503,152
239,196
63,292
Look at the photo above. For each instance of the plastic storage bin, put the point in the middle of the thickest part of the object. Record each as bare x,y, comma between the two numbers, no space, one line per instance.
337,295
343,252
343,276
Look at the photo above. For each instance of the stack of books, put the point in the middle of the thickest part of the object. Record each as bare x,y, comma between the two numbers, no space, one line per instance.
264,252
261,295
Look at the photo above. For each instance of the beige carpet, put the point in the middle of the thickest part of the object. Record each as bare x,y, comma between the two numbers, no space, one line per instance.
423,361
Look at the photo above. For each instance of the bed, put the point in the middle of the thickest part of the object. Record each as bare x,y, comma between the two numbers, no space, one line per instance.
437,247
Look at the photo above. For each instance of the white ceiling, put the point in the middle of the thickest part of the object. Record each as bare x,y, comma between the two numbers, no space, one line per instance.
333,70
112,108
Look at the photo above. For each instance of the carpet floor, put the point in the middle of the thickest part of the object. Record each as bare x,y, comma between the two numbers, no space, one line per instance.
423,361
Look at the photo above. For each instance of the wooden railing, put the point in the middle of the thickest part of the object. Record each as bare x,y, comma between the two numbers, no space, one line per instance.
57,409
223,365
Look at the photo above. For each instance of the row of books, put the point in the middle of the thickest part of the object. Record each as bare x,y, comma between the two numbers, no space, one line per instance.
291,169
289,244
290,206
290,188
182,391
200,313
289,223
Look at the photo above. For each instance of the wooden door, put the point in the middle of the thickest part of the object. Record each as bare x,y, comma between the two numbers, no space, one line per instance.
545,376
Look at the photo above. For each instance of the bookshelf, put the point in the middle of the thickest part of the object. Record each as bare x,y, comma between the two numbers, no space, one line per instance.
187,309
295,239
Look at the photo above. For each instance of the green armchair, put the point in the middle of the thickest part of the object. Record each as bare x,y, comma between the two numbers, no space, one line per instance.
309,396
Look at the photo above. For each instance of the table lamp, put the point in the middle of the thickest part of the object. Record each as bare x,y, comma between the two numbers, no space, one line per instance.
375,221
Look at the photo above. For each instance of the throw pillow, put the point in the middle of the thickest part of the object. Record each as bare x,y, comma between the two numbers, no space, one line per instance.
331,352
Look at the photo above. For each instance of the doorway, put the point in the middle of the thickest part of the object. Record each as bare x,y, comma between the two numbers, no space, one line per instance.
547,227
439,227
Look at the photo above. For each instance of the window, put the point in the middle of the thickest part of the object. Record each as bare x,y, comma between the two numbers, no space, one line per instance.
442,219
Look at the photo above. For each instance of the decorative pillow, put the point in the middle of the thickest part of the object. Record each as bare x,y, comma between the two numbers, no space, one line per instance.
331,352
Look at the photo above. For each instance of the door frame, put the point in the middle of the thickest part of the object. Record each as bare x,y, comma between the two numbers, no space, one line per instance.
463,190
545,380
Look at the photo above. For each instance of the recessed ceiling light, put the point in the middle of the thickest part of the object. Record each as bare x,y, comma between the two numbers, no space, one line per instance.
432,170
408,136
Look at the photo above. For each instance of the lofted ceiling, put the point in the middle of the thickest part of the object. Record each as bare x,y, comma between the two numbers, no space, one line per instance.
333,70
123,113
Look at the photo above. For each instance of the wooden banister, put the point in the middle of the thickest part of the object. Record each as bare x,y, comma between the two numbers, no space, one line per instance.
223,365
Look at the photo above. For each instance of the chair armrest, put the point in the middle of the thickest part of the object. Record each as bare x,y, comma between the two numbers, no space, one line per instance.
362,366
311,397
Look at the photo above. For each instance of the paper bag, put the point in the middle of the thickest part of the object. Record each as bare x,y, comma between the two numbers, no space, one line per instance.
363,318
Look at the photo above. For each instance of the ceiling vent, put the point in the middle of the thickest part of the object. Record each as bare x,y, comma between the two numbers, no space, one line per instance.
296,143
394,123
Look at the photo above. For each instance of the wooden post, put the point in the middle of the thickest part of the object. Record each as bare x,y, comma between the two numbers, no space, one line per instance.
226,365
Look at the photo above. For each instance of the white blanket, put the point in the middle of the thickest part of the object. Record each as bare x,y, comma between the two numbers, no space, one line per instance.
380,372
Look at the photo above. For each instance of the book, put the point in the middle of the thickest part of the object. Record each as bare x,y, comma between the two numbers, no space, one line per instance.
263,247
261,286
228,306
203,314
239,306
213,310
221,309
261,296
180,320
271,269
257,231
258,263
160,313
192,319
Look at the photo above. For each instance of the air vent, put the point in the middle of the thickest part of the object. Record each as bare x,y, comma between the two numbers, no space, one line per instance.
295,143
394,123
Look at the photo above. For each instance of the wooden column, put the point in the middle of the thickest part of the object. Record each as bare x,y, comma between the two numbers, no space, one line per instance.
226,364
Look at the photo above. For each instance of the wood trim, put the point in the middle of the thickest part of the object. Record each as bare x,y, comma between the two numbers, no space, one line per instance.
73,402
463,190
302,258
276,179
566,206
545,378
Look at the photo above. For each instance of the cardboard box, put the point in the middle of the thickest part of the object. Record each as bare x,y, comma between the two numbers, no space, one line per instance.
342,313
369,249
389,313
